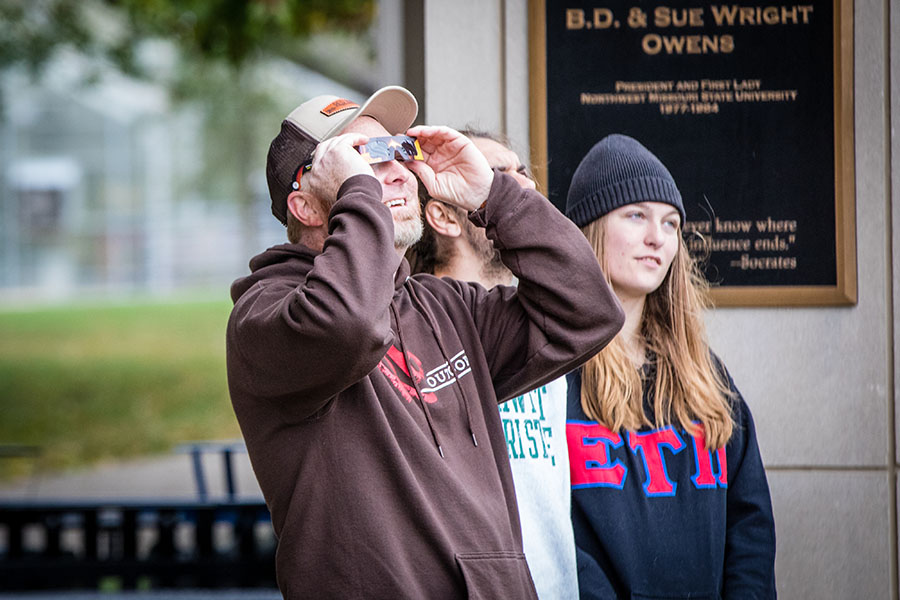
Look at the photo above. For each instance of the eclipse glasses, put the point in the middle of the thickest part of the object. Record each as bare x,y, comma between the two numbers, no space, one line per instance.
376,150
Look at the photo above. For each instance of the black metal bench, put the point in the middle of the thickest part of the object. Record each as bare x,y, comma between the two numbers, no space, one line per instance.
226,450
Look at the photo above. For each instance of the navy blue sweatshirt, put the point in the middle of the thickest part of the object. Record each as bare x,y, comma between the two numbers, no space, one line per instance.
657,516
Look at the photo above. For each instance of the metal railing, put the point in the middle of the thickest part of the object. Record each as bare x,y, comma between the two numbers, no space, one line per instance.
143,544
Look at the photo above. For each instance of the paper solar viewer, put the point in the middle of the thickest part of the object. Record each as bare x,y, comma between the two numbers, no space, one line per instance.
376,150
394,147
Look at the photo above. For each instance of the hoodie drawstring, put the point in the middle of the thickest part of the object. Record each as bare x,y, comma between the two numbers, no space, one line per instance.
434,433
436,333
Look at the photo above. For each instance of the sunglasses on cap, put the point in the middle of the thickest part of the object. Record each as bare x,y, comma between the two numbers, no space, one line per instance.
298,173
376,150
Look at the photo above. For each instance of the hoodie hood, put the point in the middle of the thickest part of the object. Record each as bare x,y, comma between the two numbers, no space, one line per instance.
279,261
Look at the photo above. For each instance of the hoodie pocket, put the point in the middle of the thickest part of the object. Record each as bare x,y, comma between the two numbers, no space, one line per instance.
490,575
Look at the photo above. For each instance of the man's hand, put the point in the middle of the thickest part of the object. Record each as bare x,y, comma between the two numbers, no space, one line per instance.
454,170
335,161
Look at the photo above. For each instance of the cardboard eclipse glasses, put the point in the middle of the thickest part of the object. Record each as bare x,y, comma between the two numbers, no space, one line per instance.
376,150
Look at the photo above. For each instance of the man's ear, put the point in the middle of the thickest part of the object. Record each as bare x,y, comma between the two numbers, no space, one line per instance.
442,219
306,208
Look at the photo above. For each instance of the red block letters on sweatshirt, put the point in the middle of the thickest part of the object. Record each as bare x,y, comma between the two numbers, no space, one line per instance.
590,456
589,446
704,476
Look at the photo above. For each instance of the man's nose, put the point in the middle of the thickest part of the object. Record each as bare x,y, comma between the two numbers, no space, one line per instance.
392,172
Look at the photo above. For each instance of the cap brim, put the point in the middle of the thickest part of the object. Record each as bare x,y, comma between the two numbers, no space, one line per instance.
393,106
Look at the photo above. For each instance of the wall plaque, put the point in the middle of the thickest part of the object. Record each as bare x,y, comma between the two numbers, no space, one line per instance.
750,107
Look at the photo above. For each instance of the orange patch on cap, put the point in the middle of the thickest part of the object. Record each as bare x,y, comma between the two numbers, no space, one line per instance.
341,104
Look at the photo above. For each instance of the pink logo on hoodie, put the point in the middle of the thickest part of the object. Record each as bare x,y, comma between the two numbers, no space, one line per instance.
395,360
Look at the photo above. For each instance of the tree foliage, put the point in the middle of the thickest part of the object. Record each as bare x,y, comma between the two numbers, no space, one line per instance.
233,31
32,31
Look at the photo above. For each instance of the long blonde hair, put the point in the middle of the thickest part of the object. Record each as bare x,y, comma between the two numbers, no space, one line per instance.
689,387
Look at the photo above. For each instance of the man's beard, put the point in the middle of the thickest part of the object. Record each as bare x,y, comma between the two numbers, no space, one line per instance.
492,268
407,232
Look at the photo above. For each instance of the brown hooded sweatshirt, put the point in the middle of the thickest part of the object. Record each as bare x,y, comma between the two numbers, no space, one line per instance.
368,398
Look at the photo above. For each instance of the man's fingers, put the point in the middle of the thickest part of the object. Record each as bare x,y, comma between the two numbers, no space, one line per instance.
347,139
430,131
454,170
423,172
433,136
334,161
352,139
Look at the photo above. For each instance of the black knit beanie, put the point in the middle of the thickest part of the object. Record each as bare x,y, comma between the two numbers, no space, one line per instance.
617,171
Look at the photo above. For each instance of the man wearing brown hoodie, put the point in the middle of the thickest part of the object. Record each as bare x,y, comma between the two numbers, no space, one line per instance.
367,398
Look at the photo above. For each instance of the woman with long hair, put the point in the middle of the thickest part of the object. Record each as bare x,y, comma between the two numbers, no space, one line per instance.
669,495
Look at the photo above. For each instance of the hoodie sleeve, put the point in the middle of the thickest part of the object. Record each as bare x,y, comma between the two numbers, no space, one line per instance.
750,525
309,336
562,312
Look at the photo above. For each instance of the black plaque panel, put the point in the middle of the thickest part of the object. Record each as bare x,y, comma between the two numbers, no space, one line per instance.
737,100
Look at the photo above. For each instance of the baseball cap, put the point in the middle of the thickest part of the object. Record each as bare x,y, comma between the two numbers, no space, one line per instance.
324,117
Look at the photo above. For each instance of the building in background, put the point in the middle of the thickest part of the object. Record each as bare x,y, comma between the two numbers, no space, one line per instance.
107,188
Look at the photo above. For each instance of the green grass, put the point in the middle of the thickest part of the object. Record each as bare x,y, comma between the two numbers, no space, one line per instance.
92,383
